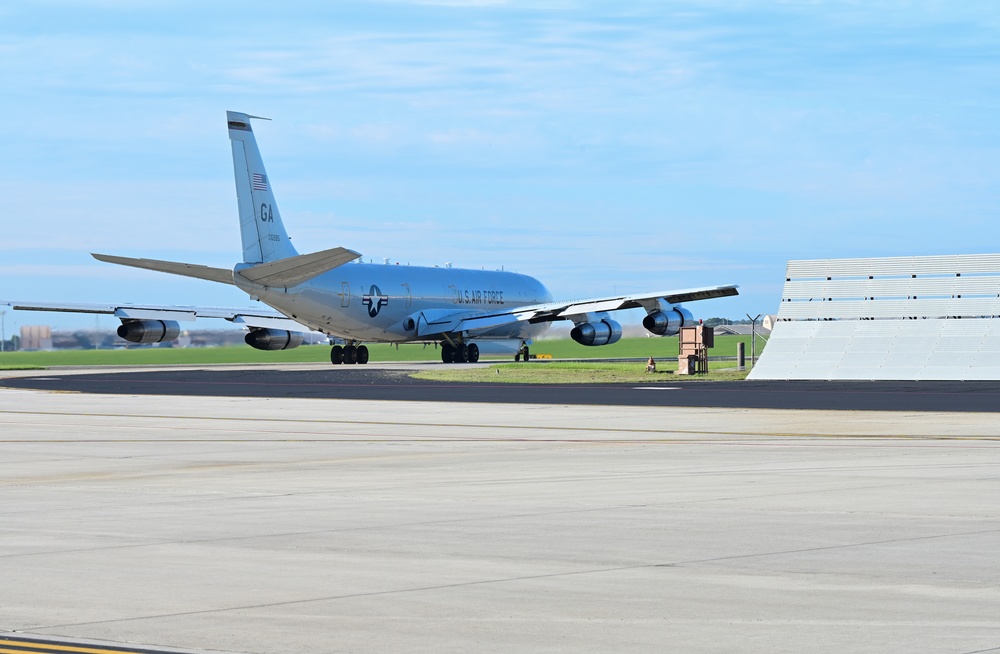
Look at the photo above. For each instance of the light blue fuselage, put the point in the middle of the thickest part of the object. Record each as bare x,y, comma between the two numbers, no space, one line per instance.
372,302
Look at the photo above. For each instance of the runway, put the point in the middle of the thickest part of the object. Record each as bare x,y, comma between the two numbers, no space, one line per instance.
278,524
392,382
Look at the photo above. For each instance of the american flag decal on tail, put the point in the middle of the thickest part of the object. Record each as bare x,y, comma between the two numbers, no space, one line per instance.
259,182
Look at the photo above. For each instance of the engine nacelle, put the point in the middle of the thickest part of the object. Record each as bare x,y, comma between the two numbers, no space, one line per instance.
599,332
149,331
273,339
669,322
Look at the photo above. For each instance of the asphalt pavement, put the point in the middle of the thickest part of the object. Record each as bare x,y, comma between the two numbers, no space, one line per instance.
382,383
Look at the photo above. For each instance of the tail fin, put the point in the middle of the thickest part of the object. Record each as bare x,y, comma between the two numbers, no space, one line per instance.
264,237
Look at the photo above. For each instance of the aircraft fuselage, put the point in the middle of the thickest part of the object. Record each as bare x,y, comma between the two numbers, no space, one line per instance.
392,303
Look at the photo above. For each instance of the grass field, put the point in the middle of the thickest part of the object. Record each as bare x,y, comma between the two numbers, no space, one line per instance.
635,348
557,372
663,349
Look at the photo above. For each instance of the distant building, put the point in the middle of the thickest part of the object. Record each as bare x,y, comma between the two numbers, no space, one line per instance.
36,337
768,322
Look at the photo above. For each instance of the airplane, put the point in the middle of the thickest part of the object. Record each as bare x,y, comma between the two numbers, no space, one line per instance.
334,293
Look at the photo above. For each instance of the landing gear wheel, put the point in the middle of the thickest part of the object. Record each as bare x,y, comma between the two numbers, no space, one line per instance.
362,354
350,354
461,353
336,355
473,353
447,353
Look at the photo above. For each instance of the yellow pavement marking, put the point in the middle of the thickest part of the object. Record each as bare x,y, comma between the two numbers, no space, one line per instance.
53,647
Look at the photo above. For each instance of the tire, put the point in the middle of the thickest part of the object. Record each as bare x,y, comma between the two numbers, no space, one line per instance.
473,353
461,354
336,355
350,354
362,354
447,354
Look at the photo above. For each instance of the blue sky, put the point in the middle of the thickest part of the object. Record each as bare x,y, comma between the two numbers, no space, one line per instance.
602,147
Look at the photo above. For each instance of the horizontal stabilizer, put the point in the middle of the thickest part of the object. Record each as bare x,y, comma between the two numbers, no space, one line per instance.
291,271
221,275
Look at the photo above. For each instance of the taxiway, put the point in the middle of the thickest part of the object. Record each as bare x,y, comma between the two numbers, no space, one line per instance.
260,525
393,382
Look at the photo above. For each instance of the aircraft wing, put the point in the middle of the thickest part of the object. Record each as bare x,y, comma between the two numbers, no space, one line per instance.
551,311
250,317
566,310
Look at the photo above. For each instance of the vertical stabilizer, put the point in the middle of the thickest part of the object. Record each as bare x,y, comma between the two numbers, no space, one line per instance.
264,237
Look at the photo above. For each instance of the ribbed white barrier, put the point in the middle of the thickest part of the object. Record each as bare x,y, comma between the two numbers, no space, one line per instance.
902,318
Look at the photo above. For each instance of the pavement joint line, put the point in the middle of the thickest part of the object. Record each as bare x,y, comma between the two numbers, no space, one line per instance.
487,582
376,423
550,441
313,532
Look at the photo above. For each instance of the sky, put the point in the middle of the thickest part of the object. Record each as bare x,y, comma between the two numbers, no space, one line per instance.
602,147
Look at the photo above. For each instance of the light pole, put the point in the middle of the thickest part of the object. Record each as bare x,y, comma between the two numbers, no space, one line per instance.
3,331
753,339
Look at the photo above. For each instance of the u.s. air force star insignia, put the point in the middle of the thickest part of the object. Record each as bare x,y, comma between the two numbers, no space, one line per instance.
374,300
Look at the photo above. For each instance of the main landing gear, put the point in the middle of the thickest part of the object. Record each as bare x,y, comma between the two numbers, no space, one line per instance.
350,353
459,353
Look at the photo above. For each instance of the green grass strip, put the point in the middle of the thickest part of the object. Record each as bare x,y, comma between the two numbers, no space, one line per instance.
664,350
539,372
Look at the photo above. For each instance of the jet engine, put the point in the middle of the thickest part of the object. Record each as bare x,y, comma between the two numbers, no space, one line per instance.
273,339
149,331
669,322
599,332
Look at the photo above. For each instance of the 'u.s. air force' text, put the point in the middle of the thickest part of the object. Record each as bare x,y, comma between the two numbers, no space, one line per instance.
472,296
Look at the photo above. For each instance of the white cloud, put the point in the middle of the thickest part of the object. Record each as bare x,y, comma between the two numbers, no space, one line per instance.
593,144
